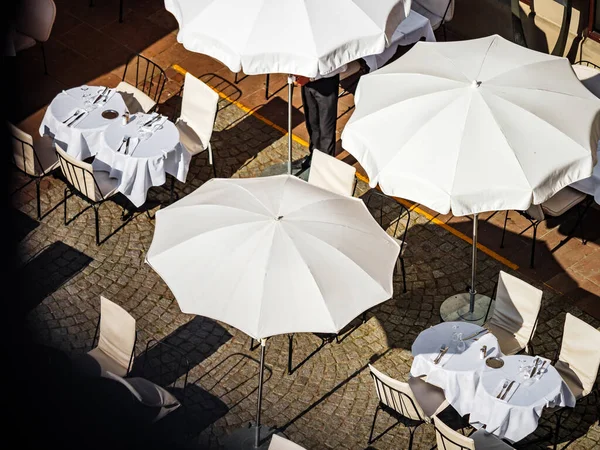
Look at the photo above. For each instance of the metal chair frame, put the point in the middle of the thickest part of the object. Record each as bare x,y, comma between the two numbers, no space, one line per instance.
82,192
403,211
582,208
131,358
443,23
146,79
37,179
585,62
397,412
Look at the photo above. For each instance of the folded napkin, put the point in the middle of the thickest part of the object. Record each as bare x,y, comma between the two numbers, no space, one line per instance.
154,125
509,392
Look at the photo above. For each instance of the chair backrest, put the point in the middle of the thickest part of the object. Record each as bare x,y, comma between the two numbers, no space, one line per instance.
199,108
448,439
589,74
145,75
23,151
377,199
517,307
332,174
79,175
580,350
396,395
441,8
281,443
35,18
536,212
117,332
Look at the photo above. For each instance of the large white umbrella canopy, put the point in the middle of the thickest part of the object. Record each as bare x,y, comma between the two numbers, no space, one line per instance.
473,126
273,255
302,37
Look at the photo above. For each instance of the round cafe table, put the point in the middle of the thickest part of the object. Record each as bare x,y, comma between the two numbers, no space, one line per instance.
457,373
82,138
145,164
516,416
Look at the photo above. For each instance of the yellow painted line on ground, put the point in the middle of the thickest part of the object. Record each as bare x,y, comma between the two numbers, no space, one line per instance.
247,110
409,205
413,207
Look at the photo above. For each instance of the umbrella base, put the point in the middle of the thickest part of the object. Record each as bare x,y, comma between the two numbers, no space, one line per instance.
243,438
456,308
282,168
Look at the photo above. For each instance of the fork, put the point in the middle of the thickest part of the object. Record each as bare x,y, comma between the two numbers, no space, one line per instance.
501,390
443,350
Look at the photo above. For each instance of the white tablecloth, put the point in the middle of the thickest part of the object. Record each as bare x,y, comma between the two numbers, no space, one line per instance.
457,374
410,30
148,164
516,417
83,138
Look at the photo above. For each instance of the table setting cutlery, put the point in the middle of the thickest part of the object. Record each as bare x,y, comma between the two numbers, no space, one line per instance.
75,118
72,115
476,335
131,145
506,391
442,352
120,147
100,95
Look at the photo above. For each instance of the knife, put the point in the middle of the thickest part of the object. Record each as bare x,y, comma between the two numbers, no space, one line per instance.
475,334
535,364
151,121
507,390
70,117
101,95
127,145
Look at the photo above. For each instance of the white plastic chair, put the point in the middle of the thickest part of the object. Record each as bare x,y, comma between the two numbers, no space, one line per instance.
449,439
332,174
515,315
116,336
281,443
197,118
437,11
35,158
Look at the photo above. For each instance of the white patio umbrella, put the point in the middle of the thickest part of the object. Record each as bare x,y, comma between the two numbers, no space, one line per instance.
272,255
473,126
301,37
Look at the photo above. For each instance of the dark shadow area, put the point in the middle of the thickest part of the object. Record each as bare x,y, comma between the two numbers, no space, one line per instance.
21,224
45,272
276,111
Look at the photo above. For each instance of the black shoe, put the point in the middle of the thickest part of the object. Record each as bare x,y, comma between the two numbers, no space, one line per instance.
306,162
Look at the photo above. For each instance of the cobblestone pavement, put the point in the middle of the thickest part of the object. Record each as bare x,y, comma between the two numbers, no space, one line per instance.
329,399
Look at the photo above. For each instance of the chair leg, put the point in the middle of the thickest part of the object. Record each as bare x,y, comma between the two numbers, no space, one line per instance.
557,430
65,203
504,230
44,58
172,189
96,207
37,190
251,344
403,273
535,225
373,425
290,347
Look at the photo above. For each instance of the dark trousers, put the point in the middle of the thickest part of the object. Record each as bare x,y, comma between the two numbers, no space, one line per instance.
320,99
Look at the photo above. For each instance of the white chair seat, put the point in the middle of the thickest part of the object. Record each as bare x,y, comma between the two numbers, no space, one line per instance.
589,76
562,201
330,173
22,41
44,148
352,68
108,186
570,377
487,441
107,363
507,341
135,100
435,20
430,398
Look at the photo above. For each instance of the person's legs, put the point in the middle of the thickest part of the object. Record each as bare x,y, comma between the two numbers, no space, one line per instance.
311,116
327,100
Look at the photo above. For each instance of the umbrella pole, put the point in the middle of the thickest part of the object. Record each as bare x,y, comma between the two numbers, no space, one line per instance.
263,343
290,95
472,290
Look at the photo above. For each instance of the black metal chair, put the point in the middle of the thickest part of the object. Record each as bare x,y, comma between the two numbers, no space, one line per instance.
120,9
436,17
92,186
404,212
36,159
142,84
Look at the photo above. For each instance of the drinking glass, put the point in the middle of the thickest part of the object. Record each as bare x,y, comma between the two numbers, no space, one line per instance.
460,345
